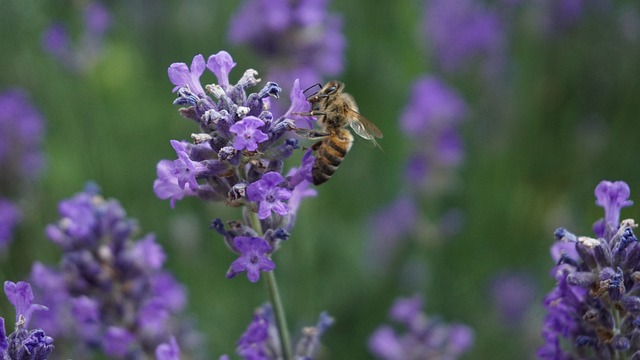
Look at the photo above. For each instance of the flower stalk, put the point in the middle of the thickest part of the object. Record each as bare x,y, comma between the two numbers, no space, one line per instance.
274,298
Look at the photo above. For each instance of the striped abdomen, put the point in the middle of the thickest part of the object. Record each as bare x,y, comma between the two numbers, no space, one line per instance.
330,154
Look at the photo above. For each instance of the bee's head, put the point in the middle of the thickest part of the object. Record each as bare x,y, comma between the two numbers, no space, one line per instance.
332,87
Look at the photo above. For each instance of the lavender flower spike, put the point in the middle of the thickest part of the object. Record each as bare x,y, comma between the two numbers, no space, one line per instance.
109,292
22,343
593,310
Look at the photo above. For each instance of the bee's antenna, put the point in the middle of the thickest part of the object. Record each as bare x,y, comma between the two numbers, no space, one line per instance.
311,87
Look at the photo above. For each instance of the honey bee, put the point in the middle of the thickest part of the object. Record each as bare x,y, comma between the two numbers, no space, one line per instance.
334,109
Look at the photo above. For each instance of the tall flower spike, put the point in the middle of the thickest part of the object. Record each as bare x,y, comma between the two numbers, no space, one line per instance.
593,310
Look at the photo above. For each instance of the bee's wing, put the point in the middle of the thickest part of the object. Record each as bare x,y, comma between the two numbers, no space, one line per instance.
363,127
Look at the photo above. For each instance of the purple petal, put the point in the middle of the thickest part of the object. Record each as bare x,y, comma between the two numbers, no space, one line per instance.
221,64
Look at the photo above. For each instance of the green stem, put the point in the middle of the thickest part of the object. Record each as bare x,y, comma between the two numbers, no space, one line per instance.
278,312
274,296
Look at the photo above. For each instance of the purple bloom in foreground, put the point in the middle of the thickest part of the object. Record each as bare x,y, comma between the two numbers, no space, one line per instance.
269,195
238,158
425,337
254,257
109,292
23,344
592,313
248,136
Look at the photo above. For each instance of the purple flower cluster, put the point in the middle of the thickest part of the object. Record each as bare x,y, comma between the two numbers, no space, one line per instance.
260,342
237,158
21,159
23,344
298,39
594,310
80,56
109,292
432,118
461,33
425,337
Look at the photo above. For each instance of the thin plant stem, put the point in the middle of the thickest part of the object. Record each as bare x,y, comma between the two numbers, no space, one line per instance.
274,297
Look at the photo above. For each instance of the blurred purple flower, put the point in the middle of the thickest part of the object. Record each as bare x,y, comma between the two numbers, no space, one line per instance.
512,296
425,338
55,40
97,18
461,32
21,156
433,106
21,136
116,341
109,291
389,228
298,40
81,55
254,257
168,351
10,216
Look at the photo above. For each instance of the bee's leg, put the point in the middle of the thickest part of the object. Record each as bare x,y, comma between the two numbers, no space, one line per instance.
310,134
311,113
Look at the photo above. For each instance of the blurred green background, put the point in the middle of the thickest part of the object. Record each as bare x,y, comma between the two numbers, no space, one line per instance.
563,117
